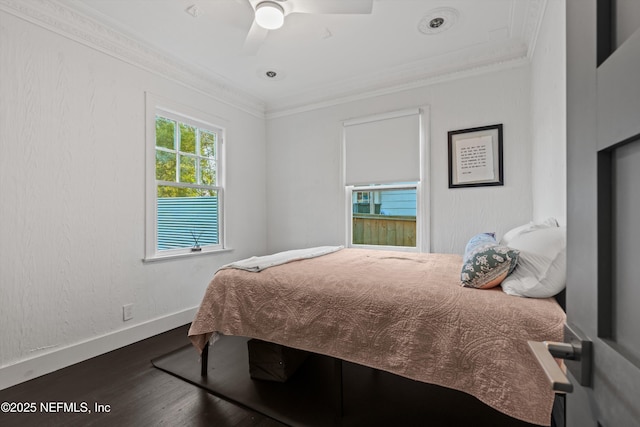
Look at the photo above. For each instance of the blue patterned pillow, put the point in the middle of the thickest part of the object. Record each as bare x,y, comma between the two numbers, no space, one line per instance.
486,263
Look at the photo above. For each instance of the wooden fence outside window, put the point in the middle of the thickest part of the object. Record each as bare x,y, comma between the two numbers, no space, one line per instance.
371,229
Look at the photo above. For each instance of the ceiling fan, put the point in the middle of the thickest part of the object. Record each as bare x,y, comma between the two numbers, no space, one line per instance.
270,14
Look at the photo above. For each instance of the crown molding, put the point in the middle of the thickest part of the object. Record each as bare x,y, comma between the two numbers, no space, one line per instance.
535,15
455,65
63,20
416,84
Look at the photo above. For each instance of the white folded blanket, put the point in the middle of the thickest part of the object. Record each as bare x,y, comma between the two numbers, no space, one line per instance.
259,263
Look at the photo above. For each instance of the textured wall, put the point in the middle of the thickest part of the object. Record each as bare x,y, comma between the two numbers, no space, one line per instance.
548,116
72,182
72,186
306,200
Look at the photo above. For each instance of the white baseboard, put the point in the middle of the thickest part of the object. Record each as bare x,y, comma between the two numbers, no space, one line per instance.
28,369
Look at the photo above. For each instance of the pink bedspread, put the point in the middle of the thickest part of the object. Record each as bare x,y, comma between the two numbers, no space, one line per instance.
404,313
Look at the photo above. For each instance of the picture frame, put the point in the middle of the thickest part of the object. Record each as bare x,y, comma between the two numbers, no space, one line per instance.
475,157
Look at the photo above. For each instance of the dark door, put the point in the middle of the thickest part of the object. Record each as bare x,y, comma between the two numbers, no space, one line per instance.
603,178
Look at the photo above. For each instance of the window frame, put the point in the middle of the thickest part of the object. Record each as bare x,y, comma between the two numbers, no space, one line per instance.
422,186
157,106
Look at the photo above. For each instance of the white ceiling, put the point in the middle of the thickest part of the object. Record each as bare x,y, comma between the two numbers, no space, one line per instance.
322,57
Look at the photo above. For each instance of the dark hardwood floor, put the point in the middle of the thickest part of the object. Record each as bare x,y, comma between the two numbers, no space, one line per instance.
137,394
123,388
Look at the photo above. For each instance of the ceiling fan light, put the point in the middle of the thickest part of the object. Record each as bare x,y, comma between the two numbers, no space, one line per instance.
269,15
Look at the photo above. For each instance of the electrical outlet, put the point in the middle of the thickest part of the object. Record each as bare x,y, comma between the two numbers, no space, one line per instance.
127,312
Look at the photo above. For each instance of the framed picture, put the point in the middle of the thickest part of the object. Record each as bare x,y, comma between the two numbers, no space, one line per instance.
475,157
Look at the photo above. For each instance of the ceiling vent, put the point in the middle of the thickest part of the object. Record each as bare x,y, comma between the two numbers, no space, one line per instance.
438,20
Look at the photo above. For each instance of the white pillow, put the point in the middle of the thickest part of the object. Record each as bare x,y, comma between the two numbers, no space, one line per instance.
526,228
542,266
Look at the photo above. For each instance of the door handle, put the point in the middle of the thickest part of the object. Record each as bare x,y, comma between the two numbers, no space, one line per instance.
576,351
545,353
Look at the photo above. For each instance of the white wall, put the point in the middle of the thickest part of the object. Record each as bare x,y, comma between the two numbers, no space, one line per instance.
305,197
72,185
72,182
548,116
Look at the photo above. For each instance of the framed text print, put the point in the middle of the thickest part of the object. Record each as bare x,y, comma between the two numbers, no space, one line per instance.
475,157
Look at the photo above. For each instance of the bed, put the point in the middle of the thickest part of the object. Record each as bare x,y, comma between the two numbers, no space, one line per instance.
403,313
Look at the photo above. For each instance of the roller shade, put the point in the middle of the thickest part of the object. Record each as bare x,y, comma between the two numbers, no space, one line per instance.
383,149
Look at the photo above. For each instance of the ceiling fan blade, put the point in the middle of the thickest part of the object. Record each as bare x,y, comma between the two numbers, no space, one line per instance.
332,6
254,39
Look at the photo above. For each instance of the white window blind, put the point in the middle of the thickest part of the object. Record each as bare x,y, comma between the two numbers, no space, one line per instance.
383,149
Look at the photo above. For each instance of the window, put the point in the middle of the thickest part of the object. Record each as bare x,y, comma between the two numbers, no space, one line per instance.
185,193
384,164
384,216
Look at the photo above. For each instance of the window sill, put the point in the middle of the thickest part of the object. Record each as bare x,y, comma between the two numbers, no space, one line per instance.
168,257
384,247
